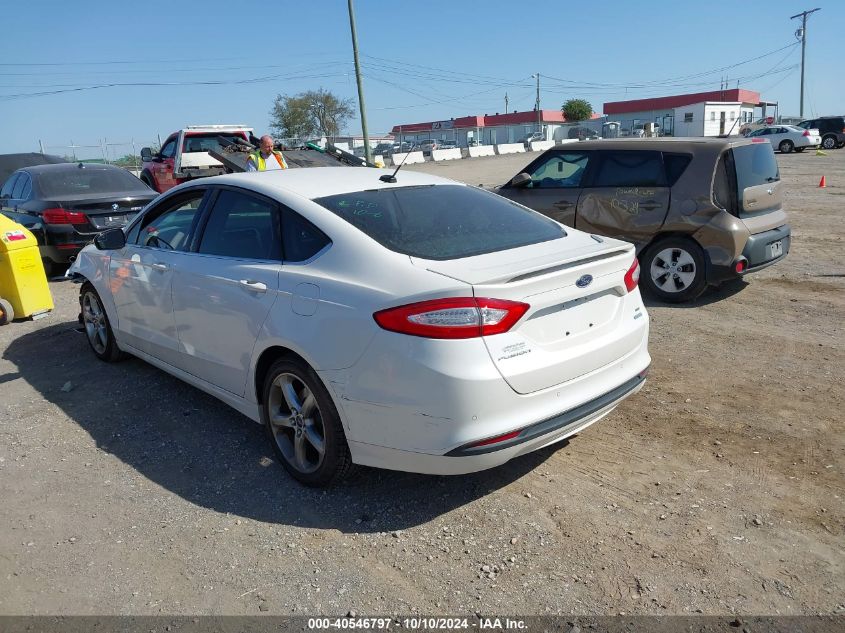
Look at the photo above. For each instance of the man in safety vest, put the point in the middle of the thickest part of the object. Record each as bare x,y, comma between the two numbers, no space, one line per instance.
266,158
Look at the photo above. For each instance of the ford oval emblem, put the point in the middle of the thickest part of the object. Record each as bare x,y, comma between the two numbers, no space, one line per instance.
584,281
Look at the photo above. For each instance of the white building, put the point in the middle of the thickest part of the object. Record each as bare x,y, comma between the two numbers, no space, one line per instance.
715,113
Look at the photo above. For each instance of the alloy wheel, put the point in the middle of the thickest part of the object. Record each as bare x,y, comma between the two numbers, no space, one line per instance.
296,423
94,318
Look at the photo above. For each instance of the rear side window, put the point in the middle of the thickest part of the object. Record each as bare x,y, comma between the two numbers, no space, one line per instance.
755,165
630,169
723,190
301,239
442,221
243,227
21,184
675,165
9,186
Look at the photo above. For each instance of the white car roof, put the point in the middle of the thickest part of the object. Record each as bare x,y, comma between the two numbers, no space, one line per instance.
316,182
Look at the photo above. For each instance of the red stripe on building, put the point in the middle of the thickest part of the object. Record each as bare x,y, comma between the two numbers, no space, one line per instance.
665,103
526,117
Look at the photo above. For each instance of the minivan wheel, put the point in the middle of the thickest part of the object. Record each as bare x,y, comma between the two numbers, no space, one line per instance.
673,270
786,146
829,142
97,327
303,425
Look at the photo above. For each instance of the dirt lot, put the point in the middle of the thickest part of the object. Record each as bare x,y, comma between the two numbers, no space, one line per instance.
718,489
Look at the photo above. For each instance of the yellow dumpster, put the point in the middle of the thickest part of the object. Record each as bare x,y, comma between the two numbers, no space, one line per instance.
23,285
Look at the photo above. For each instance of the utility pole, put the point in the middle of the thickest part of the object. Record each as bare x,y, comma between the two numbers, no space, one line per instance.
360,85
802,33
539,124
506,103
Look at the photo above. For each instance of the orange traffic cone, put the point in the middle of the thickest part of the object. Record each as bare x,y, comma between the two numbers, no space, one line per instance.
822,183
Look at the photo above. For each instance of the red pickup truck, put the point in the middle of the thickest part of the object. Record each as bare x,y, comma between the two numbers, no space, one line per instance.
184,155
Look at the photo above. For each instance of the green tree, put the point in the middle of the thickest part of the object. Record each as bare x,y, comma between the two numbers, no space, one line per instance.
129,160
309,114
577,110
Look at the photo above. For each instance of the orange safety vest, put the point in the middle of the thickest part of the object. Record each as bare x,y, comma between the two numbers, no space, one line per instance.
258,160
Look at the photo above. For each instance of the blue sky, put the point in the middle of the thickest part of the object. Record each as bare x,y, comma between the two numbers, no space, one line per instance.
224,62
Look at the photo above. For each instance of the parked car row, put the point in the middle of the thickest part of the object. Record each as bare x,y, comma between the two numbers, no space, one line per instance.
522,310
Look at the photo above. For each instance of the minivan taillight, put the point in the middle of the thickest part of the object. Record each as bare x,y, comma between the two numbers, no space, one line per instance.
632,277
453,318
60,216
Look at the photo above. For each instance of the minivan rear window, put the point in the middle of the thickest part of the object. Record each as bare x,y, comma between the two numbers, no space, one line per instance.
755,165
442,221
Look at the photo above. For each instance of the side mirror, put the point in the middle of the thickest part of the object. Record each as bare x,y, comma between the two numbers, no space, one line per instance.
110,240
146,154
520,180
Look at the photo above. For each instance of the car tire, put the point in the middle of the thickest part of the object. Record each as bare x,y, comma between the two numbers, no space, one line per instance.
786,146
303,425
7,312
829,142
673,270
95,321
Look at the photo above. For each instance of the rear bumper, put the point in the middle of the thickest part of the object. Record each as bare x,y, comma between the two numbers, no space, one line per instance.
758,248
757,254
463,461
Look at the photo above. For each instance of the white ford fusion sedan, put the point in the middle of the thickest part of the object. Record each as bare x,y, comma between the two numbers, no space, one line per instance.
418,324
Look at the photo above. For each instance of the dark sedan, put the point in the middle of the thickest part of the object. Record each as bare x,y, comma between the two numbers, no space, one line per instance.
66,205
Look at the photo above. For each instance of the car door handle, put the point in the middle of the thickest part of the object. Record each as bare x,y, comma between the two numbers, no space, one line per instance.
564,204
650,206
161,267
255,286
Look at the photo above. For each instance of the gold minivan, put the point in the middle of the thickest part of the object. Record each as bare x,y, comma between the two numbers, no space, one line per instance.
700,211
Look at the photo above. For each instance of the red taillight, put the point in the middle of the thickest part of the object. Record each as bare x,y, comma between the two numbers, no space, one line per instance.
60,216
632,277
757,139
806,133
496,440
453,318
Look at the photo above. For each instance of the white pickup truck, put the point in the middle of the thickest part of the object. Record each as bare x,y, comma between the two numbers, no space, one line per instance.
184,155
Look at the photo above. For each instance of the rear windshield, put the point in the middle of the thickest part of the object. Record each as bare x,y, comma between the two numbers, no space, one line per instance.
89,180
207,142
443,221
755,165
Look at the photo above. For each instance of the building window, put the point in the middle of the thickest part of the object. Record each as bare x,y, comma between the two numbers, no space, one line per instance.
687,117
733,115
713,116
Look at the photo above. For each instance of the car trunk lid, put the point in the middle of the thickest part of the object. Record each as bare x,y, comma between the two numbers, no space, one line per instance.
575,288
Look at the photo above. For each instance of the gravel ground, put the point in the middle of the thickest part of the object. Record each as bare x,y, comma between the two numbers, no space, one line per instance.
718,489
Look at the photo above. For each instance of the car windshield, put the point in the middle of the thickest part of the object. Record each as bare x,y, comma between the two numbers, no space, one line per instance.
89,180
442,221
208,142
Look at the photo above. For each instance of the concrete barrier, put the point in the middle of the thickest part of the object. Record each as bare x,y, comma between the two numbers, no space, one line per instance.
566,141
412,157
510,148
481,150
446,154
541,146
